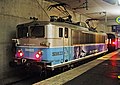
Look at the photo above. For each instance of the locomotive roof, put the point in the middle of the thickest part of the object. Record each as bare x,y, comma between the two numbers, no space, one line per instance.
34,23
53,23
42,23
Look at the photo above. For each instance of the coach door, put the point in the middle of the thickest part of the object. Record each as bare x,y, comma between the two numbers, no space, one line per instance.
66,46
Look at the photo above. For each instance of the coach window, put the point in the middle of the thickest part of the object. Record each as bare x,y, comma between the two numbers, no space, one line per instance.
66,32
60,32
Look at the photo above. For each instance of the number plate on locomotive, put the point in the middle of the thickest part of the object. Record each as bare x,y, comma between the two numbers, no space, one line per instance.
30,50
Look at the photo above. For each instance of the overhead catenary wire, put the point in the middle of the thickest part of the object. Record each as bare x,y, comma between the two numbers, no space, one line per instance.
39,5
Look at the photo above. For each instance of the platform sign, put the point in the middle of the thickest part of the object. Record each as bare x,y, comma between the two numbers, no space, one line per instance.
118,19
116,28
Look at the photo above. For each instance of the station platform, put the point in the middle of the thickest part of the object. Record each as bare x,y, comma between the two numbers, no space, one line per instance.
101,71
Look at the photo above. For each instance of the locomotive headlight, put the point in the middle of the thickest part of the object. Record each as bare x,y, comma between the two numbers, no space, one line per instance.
20,53
38,54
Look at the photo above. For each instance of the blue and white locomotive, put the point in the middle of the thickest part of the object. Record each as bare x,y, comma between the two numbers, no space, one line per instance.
56,44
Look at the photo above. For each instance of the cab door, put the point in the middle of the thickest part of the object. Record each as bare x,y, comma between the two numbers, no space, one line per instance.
66,45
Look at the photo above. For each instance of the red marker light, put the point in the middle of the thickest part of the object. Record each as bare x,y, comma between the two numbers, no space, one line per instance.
38,54
20,53
113,42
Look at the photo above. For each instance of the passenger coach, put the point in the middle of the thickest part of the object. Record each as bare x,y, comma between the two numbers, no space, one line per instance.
112,41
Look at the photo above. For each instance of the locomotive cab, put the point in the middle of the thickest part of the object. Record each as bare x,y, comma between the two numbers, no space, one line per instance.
41,42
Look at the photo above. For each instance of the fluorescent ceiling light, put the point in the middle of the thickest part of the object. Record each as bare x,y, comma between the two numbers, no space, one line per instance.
118,1
113,2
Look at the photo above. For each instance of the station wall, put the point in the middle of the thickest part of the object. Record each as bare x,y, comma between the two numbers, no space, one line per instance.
13,12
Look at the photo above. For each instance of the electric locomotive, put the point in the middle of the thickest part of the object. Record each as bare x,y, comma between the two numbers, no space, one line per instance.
52,45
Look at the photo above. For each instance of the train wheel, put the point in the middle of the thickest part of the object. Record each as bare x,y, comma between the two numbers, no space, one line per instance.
71,66
65,68
43,74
